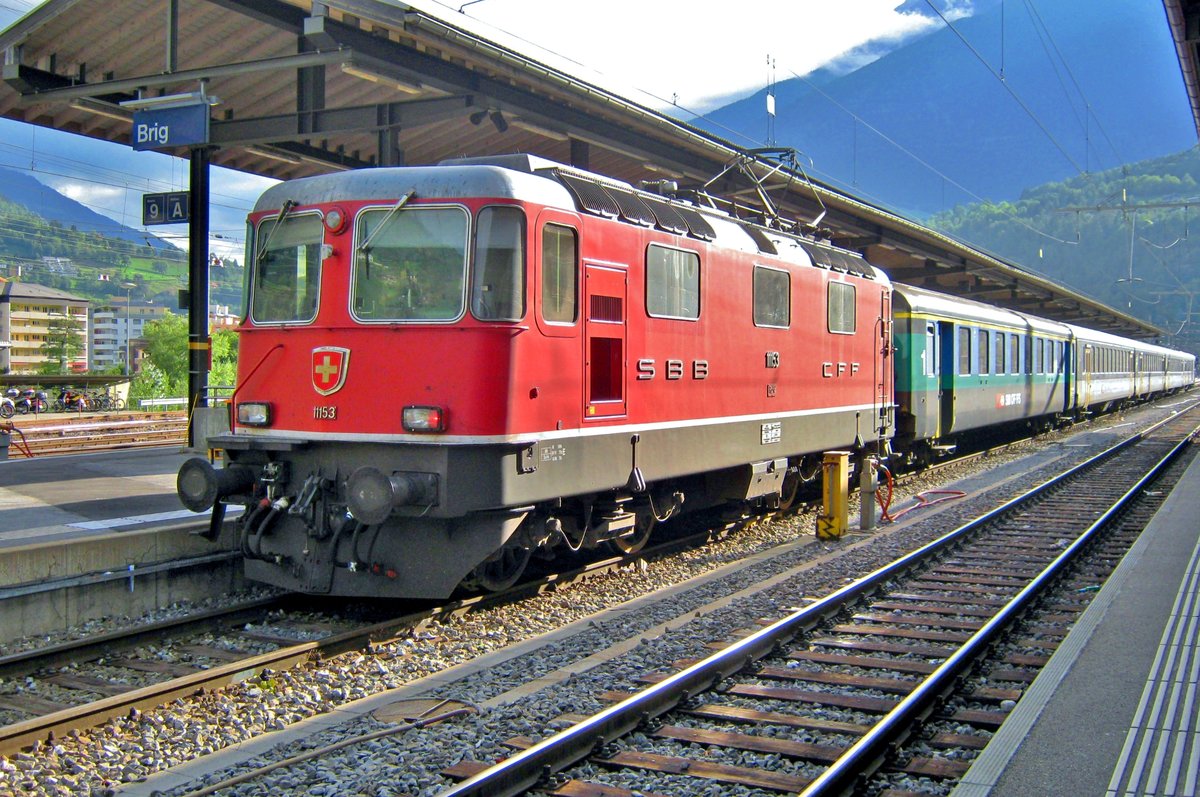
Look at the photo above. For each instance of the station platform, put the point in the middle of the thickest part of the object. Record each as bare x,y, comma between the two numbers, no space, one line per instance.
52,499
1116,710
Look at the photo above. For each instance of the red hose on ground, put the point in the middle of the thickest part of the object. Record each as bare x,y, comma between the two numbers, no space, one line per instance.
921,498
22,446
923,501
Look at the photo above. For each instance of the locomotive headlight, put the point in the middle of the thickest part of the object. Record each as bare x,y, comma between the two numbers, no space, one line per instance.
423,419
254,413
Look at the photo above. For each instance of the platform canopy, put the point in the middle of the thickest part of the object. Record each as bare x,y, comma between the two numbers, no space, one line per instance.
308,87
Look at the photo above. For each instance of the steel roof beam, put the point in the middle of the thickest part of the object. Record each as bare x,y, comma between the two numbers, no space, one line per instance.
277,15
328,121
38,86
437,73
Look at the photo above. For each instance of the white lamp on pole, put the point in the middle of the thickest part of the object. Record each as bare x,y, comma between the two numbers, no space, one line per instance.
128,286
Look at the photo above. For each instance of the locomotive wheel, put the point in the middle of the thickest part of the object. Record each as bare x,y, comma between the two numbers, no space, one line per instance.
500,570
789,491
635,540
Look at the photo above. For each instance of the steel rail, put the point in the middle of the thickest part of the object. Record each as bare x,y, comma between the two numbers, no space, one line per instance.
17,736
873,746
526,769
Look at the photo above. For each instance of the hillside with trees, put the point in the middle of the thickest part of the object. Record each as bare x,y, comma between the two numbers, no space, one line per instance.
90,259
1124,236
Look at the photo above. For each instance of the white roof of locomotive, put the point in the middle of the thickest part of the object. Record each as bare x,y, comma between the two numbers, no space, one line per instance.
522,177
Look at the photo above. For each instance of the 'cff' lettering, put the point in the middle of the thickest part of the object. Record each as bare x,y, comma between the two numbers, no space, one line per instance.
152,133
836,370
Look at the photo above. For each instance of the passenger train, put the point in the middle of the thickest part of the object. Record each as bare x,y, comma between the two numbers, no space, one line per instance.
445,369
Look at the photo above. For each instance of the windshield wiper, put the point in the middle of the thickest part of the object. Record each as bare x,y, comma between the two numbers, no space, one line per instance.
365,247
283,212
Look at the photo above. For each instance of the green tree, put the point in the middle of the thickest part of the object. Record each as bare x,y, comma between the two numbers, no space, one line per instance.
167,351
224,358
165,369
64,342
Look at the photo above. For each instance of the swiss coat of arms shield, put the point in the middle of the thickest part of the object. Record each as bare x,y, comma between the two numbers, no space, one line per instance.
329,367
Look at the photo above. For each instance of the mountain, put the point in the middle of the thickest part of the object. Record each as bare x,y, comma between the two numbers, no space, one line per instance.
52,240
928,126
41,200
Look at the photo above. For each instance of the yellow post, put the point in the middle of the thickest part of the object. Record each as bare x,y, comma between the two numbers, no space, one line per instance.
835,517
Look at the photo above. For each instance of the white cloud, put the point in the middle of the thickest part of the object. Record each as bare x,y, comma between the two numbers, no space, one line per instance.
697,54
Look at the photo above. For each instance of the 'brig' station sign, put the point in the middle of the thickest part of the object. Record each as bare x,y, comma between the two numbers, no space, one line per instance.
170,127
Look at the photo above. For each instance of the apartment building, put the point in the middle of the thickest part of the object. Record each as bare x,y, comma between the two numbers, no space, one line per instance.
27,311
117,331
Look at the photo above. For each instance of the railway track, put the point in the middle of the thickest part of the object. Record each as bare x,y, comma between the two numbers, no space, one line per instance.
874,679
66,433
208,650
91,702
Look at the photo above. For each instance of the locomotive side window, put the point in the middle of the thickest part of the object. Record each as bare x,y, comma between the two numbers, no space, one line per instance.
411,264
672,283
560,303
842,316
964,351
772,298
498,283
286,269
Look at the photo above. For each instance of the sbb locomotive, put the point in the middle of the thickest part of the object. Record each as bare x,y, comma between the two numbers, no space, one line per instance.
445,369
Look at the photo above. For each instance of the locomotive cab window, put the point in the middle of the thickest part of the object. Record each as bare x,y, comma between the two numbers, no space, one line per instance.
498,281
772,298
286,268
672,283
410,264
560,257
842,309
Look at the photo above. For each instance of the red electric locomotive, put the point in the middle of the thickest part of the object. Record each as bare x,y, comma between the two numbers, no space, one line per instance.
443,369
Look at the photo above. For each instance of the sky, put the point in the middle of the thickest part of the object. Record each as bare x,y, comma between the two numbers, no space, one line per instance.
645,51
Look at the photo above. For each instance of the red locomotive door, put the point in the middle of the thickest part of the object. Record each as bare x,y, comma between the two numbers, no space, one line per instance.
604,340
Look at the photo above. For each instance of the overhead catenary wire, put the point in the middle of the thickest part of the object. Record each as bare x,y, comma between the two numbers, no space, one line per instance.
1008,88
917,159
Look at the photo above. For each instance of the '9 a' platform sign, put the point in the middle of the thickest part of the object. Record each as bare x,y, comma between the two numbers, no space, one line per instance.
174,126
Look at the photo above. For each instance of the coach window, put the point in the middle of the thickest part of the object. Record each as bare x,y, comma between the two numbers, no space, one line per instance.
1014,354
672,283
985,361
498,281
964,351
410,264
1000,350
286,268
772,298
1038,356
560,248
841,305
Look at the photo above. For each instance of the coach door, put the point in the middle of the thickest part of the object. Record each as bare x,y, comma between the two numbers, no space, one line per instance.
1089,368
604,340
947,363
